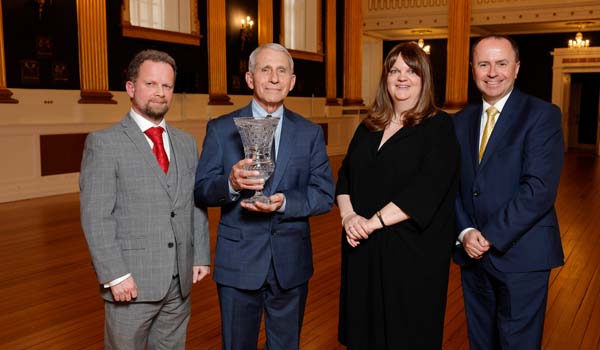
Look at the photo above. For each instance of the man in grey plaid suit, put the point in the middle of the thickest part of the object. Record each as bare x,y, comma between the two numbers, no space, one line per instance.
147,239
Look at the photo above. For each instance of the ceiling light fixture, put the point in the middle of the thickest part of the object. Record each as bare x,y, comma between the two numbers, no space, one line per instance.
426,48
579,42
421,42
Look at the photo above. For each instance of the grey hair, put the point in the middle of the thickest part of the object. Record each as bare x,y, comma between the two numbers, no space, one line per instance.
272,46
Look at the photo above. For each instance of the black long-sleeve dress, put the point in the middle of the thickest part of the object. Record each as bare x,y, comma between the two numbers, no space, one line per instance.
394,284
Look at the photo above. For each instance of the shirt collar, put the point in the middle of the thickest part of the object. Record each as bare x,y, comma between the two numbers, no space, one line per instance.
144,123
259,112
499,104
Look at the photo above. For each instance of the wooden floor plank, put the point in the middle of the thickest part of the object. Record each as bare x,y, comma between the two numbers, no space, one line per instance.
49,295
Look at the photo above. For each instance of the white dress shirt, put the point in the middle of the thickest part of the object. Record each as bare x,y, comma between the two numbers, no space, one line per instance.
145,124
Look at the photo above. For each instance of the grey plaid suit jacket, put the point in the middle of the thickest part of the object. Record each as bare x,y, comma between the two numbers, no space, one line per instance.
133,221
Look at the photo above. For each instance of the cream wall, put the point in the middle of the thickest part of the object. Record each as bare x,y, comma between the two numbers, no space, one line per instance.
49,112
371,67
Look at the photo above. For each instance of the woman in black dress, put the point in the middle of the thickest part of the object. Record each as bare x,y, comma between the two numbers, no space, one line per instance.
396,191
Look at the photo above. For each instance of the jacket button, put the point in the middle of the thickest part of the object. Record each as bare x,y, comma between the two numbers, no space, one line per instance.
475,194
170,245
172,214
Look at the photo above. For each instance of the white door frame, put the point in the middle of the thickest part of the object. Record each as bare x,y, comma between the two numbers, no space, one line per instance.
566,62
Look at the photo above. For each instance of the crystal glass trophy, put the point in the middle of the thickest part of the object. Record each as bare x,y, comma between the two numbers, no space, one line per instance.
257,137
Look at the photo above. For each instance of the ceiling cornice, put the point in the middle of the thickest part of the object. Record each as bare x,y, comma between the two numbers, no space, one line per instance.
401,20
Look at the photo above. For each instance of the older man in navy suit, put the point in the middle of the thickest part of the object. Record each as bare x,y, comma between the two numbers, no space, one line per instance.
512,153
263,258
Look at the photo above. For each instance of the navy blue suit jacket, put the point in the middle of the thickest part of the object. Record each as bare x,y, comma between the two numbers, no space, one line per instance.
248,241
510,196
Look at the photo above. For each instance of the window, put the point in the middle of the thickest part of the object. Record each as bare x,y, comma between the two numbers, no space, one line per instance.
301,28
164,20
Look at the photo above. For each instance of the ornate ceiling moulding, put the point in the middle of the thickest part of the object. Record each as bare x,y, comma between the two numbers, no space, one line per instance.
404,14
378,5
393,19
569,60
491,12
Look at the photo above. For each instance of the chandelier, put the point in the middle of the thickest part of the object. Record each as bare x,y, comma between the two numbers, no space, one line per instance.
426,48
579,42
41,4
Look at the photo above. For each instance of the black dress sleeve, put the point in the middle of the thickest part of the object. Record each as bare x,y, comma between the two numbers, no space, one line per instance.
343,184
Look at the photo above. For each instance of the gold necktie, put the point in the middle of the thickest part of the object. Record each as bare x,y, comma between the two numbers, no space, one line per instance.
492,113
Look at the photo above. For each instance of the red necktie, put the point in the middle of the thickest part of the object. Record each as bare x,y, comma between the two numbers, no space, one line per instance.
155,134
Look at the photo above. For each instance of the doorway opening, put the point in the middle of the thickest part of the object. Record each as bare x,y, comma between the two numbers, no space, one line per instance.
575,80
584,111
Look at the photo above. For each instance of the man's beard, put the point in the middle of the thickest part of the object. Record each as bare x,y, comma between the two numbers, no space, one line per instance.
156,114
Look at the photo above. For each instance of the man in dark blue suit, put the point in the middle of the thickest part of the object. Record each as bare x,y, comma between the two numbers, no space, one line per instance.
263,257
512,152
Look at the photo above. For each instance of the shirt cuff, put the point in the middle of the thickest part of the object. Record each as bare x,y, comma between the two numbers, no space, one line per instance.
233,194
463,233
116,281
282,208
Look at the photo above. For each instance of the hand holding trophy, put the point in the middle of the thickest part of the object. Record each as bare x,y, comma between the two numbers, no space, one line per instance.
257,137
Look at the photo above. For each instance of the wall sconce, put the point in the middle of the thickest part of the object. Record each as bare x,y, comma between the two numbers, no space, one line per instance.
579,42
426,48
246,31
247,22
245,38
41,4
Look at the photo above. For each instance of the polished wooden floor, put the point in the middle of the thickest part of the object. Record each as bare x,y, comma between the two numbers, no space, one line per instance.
49,296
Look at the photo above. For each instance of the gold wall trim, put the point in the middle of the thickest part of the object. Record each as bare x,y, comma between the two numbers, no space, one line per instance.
217,53
160,35
93,52
265,22
353,53
330,53
404,4
5,94
581,60
306,55
457,75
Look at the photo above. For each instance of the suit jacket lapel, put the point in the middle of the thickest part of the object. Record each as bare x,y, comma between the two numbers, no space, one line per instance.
505,121
287,140
177,157
474,126
131,129
245,112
